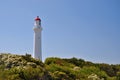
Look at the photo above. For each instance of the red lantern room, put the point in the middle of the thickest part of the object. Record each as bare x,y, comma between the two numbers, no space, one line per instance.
37,18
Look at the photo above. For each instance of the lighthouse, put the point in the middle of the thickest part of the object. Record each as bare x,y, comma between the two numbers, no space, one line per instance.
37,50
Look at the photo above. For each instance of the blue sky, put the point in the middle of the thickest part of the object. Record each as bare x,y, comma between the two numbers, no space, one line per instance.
87,29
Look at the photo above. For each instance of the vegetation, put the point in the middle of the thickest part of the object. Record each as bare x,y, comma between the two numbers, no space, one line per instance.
16,67
78,69
24,67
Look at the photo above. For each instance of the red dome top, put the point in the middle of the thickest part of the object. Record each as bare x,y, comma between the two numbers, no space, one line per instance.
37,18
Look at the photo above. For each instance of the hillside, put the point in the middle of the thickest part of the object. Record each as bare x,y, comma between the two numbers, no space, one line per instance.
19,67
24,67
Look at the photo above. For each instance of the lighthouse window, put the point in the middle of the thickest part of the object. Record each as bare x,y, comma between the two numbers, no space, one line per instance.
39,23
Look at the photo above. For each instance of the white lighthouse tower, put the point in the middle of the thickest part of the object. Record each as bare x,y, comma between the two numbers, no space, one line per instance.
37,39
